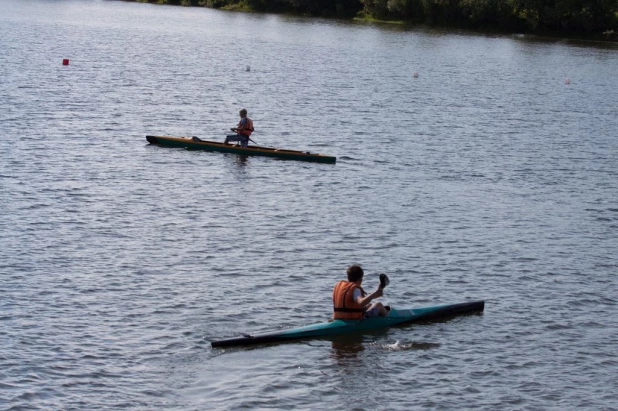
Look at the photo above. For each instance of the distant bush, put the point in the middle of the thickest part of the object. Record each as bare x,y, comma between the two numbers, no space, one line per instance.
573,17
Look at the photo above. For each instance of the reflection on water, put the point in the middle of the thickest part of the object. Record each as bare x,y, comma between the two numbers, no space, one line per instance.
346,348
241,159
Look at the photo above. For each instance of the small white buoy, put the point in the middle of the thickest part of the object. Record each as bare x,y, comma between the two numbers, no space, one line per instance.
415,75
248,68
567,81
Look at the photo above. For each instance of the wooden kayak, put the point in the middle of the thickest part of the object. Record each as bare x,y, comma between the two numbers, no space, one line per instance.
338,327
196,143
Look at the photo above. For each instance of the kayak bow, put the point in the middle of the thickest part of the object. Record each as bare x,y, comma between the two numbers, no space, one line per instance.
337,327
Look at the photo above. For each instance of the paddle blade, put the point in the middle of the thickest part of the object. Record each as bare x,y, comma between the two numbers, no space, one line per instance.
384,281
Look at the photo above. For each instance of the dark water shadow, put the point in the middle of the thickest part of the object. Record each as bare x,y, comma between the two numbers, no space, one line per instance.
350,346
240,160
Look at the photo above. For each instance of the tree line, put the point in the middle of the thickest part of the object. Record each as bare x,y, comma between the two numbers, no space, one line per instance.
586,18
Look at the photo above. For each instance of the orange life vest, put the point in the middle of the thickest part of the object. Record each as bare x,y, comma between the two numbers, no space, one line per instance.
344,306
248,127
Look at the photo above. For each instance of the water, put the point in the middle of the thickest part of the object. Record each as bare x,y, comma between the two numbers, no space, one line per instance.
487,177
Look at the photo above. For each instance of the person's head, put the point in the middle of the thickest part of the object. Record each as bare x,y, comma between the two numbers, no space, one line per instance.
355,273
243,112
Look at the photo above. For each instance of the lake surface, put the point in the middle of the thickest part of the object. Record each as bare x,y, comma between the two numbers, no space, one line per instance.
489,176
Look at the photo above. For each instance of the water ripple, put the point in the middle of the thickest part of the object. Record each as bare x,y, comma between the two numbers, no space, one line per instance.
484,178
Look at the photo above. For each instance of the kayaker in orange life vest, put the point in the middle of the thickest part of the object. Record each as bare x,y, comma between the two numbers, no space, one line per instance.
351,302
243,130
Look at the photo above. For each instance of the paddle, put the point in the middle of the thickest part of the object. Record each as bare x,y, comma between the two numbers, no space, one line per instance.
384,281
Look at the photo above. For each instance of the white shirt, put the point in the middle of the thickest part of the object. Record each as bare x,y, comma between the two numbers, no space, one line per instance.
357,293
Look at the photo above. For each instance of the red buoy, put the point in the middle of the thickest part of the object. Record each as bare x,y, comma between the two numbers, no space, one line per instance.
65,62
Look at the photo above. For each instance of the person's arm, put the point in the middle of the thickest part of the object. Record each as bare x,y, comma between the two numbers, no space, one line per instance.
364,301
242,125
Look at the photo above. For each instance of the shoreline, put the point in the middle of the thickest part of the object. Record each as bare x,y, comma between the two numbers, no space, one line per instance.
609,36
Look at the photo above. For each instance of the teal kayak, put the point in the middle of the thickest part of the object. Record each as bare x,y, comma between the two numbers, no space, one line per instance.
338,327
